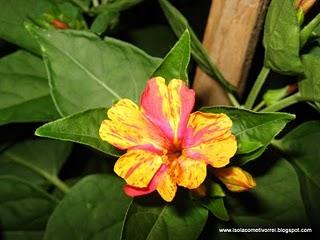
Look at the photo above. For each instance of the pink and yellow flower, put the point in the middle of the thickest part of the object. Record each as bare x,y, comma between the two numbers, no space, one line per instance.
166,144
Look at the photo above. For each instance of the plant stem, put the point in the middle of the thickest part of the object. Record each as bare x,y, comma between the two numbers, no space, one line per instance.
283,103
259,106
257,87
51,178
80,5
233,99
306,32
95,3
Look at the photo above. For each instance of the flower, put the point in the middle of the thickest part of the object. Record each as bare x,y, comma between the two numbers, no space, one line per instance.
166,144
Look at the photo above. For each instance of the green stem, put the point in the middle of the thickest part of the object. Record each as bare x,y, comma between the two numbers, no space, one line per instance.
80,5
259,106
306,32
283,103
51,178
233,99
95,3
257,87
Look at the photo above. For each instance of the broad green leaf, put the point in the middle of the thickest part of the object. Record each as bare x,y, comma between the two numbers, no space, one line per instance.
104,21
23,208
216,207
149,218
23,235
93,209
175,63
214,189
115,6
281,38
247,157
81,128
33,160
14,13
254,131
24,90
179,24
107,70
309,87
301,147
275,202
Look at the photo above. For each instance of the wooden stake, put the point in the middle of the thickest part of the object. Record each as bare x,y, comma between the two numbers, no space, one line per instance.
231,36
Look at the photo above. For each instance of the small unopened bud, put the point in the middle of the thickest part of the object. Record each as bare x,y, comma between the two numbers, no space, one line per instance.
274,95
59,24
235,179
305,5
292,88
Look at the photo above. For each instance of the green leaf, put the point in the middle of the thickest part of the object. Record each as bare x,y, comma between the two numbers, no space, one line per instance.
81,128
150,218
104,21
301,146
23,235
247,157
14,13
179,24
281,38
175,63
275,202
107,70
115,6
216,207
24,91
32,160
310,86
253,130
93,209
24,208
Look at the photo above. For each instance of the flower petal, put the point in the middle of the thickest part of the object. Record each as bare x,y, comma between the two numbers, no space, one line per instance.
192,172
208,137
138,167
204,127
128,128
167,188
135,191
215,153
235,178
168,107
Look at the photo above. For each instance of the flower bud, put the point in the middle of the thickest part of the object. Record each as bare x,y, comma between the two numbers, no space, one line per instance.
304,5
235,179
274,95
59,24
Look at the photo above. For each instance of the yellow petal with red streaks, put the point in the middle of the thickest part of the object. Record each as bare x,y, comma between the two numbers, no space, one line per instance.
192,172
138,167
128,128
203,127
235,178
167,188
168,107
217,152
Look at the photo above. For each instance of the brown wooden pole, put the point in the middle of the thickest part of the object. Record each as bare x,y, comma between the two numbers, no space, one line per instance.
230,38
